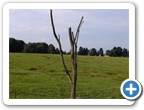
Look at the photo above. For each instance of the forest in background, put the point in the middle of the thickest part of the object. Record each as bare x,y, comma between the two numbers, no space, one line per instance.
42,47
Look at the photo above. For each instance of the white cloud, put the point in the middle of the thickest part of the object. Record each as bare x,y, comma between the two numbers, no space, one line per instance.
28,20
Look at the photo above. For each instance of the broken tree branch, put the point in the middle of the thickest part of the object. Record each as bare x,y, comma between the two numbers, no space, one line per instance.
73,36
78,30
59,37
58,40
73,43
72,47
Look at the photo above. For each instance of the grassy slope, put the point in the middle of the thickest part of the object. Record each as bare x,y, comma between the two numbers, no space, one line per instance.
98,77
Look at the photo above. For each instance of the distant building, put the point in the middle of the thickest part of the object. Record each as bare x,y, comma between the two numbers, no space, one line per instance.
106,55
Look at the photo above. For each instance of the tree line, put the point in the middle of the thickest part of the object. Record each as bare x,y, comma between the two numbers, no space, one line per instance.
118,52
41,47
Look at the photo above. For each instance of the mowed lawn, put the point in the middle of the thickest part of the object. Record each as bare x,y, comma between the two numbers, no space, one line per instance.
42,76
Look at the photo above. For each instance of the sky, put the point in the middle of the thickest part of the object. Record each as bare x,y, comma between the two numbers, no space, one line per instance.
102,28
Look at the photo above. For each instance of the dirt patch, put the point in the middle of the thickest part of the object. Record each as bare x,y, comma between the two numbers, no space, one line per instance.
116,65
58,74
51,70
18,73
97,75
83,61
44,69
109,73
63,70
32,68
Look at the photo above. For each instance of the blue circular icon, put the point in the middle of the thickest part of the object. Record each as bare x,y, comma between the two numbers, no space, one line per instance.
130,89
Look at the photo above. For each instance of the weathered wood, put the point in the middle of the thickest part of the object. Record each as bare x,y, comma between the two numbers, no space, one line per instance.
78,30
73,91
72,63
73,43
72,36
73,85
72,48
58,40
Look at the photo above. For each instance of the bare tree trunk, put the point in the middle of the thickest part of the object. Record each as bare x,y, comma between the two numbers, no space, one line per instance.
73,62
73,42
73,84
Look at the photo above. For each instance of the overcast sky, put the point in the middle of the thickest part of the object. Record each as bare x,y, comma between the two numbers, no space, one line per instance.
102,28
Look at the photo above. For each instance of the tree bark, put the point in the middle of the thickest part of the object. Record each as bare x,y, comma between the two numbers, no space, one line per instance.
73,43
58,40
73,60
74,57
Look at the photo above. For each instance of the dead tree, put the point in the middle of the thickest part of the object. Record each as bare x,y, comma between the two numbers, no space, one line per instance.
73,42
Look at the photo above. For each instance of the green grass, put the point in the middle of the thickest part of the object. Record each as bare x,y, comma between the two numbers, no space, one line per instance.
42,76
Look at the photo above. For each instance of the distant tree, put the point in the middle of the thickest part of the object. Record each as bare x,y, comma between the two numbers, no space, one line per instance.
12,45
119,51
51,49
16,45
128,54
30,48
116,52
87,51
83,51
41,47
93,52
57,51
100,52
125,52
80,52
20,45
108,52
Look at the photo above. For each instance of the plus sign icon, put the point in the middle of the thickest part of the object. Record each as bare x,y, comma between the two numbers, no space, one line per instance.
131,89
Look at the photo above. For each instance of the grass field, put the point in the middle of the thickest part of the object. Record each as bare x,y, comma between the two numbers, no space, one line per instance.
42,76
